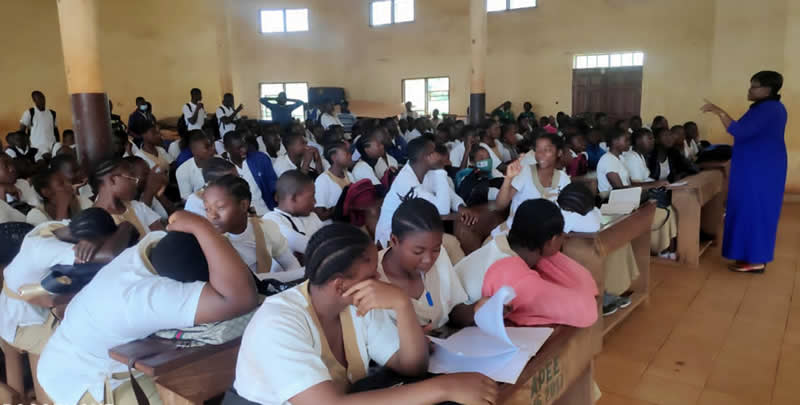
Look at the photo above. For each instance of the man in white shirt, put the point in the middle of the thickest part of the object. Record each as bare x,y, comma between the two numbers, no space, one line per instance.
40,123
329,116
194,112
416,132
409,112
227,115
236,149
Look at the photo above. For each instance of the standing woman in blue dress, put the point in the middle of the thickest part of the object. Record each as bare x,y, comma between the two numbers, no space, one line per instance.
758,175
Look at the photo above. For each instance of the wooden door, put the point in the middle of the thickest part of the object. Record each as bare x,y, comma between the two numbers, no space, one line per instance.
617,92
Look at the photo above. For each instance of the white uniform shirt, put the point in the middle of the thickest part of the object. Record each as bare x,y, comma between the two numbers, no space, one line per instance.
436,190
383,164
257,200
42,129
528,159
124,302
411,135
664,170
278,248
444,286
36,256
190,178
611,164
457,150
327,120
174,149
223,111
637,168
195,205
281,351
9,214
26,194
283,164
144,214
362,170
262,147
326,191
526,189
296,230
161,153
472,268
589,223
188,112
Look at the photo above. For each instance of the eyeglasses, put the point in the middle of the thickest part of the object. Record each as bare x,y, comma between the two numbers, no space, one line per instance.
133,179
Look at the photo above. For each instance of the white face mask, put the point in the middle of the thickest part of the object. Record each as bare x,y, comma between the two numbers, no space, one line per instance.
143,107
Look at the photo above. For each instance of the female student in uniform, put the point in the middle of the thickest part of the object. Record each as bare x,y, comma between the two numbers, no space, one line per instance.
215,168
187,277
490,136
59,201
115,187
151,187
667,162
541,180
508,142
370,147
329,185
323,334
227,203
16,192
152,151
414,263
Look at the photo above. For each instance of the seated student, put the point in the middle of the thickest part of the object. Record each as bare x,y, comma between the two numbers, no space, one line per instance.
371,150
299,156
541,180
634,123
67,141
667,161
215,168
416,129
179,149
324,333
151,186
16,192
190,174
579,165
59,201
270,144
421,178
386,162
316,138
595,147
462,145
490,136
295,214
396,145
691,148
415,264
116,186
227,203
577,207
67,164
329,185
659,121
255,168
25,157
524,128
151,151
508,142
635,160
550,287
189,276
613,174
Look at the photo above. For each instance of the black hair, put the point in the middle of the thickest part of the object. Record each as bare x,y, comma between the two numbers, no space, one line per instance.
290,137
656,119
331,148
535,223
227,94
416,215
635,117
194,90
690,124
235,135
235,185
553,138
68,132
638,134
576,197
139,127
332,250
771,79
676,127
612,135
197,135
92,223
416,148
658,131
217,167
35,92
466,130
59,161
42,180
506,127
544,121
599,115
134,160
103,169
140,98
291,182
179,256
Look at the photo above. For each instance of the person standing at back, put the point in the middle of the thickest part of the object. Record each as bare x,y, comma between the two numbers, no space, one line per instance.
281,111
227,115
141,113
40,123
194,112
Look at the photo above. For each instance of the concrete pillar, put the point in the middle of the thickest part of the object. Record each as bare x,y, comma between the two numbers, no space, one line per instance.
78,22
478,43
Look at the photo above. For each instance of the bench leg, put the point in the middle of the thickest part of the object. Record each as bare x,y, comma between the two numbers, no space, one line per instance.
169,397
580,393
15,370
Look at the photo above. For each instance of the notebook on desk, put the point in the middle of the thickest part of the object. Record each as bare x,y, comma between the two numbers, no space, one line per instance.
622,202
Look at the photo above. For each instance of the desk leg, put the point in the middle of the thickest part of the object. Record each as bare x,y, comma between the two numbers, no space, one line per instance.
712,214
580,393
169,397
687,206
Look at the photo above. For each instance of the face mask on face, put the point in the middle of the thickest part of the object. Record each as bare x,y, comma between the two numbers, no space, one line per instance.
143,107
484,165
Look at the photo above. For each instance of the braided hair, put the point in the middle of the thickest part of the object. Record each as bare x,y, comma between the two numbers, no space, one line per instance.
416,215
332,250
576,197
216,168
535,223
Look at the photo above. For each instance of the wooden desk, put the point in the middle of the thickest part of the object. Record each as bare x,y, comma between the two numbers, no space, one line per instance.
700,205
591,249
561,373
182,376
724,168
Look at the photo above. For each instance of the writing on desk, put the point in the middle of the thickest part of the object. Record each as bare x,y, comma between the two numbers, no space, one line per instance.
548,383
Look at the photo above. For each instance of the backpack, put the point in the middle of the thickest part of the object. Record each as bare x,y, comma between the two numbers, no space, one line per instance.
183,129
55,127
474,188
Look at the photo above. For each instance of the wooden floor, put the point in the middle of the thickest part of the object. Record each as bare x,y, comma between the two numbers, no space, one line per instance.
710,336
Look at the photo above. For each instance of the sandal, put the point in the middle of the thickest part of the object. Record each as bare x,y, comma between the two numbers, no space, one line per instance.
747,268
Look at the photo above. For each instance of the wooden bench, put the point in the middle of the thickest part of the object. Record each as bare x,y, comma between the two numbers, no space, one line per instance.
591,249
182,375
700,205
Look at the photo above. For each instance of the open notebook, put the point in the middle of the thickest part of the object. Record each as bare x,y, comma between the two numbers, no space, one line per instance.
490,348
622,202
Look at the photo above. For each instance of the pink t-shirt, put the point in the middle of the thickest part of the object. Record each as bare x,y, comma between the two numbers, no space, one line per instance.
558,291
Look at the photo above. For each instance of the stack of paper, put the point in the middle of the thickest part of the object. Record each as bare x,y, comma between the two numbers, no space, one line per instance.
490,348
622,202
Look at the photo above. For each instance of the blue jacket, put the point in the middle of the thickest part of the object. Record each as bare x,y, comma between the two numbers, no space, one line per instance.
398,149
260,166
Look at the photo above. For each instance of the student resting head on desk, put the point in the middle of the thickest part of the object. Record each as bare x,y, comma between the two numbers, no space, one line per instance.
309,344
258,241
414,263
115,186
189,276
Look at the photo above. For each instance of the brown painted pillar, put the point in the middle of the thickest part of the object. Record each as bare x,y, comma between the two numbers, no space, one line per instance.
478,43
78,21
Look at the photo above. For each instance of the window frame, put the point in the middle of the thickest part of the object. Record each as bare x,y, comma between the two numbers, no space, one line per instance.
283,13
609,57
392,20
508,7
263,109
427,98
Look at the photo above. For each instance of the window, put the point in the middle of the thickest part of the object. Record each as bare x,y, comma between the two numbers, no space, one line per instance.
613,60
288,20
428,94
503,5
297,91
391,11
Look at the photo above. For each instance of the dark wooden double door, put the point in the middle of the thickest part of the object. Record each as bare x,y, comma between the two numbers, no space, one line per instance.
615,91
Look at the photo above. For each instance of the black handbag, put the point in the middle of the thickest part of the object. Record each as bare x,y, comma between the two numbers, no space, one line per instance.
661,195
69,279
